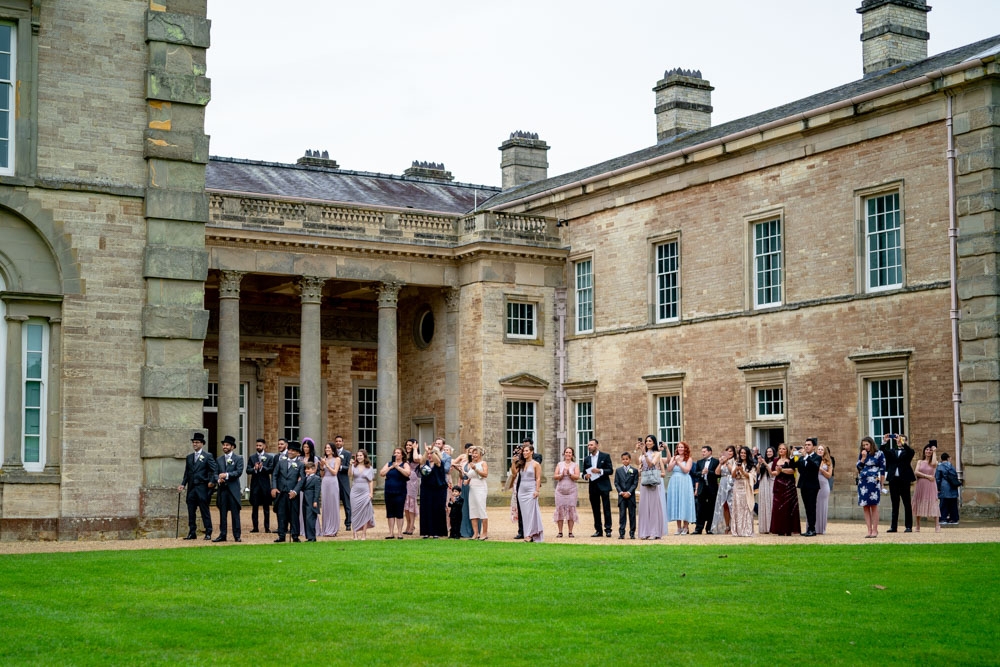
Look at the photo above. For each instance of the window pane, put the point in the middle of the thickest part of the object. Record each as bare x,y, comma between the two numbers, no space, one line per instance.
34,337
667,276
291,412
884,243
32,449
367,434
584,296
584,427
4,67
767,263
668,409
520,319
33,394
886,407
520,424
6,32
32,421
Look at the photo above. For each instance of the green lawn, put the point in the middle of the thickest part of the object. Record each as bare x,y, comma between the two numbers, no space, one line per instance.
442,602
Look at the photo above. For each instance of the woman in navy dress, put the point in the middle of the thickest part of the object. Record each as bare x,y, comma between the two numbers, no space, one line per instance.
396,473
871,476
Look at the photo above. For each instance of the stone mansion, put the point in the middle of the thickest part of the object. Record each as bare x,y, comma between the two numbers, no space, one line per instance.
827,268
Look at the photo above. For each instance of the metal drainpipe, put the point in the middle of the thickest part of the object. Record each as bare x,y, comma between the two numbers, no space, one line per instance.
956,394
560,298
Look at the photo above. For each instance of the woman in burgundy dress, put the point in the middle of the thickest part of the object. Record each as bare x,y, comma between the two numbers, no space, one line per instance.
785,518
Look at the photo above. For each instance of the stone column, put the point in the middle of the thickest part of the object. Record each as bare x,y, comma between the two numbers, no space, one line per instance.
310,383
451,388
229,355
388,371
53,444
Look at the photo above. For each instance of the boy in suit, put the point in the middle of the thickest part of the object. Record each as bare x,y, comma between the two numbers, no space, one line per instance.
310,501
456,504
626,479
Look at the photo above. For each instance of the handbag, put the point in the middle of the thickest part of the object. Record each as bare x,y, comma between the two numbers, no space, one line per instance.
650,477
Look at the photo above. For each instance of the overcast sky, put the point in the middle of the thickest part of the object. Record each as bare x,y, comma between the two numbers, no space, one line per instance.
382,83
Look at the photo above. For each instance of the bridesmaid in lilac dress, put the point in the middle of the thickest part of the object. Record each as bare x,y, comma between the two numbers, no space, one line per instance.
527,497
411,509
330,493
652,517
567,472
362,490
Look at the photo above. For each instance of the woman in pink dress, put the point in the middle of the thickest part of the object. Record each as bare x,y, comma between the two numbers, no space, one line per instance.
330,493
925,500
567,472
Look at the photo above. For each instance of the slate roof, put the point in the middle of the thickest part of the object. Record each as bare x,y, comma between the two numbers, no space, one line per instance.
868,84
273,179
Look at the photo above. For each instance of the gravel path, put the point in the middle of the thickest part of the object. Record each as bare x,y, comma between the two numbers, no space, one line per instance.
501,529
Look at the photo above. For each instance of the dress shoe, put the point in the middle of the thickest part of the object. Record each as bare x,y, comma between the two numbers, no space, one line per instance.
908,530
236,539
280,539
313,539
220,538
809,533
208,536
891,530
295,539
631,537
191,536
597,534
697,532
621,537
607,534
254,531
520,536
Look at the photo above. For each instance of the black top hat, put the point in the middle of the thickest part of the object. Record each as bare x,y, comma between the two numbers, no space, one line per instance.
198,437
932,443
229,439
294,446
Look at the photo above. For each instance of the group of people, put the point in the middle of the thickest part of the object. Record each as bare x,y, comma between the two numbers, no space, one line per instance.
654,488
936,483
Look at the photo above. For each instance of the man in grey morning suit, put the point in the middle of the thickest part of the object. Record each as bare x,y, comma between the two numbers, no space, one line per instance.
342,480
230,467
286,483
199,478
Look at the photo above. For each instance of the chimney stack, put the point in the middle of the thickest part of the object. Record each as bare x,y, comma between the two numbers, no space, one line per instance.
893,32
683,103
431,170
522,159
317,159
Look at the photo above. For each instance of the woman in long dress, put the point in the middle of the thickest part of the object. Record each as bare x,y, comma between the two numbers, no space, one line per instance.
330,493
743,474
397,473
785,518
433,495
527,496
680,489
651,517
724,498
513,479
566,475
362,492
478,472
823,497
764,491
411,509
871,476
925,501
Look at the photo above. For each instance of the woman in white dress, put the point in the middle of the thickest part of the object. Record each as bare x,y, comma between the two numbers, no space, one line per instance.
478,472
527,496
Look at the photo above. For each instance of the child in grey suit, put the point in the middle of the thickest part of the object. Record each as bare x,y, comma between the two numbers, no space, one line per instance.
626,480
310,501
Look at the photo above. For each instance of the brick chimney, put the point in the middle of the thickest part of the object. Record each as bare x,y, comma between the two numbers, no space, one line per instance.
523,159
683,103
893,32
432,170
317,159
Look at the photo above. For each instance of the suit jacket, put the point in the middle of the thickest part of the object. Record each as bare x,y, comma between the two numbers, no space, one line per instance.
603,483
808,467
235,470
626,479
199,471
898,460
288,476
261,481
345,465
707,485
310,490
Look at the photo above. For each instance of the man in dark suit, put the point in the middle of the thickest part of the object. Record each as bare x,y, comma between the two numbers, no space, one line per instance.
626,480
230,469
286,483
597,466
342,479
807,464
706,488
199,478
260,469
310,501
899,474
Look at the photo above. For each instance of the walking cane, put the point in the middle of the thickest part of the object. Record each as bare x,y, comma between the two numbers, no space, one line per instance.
177,523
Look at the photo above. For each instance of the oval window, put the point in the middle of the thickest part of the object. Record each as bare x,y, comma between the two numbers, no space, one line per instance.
423,327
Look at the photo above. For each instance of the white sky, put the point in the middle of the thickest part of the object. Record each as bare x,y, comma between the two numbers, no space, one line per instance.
382,83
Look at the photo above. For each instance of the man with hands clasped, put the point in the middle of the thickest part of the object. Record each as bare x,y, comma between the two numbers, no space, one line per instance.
230,468
597,466
285,486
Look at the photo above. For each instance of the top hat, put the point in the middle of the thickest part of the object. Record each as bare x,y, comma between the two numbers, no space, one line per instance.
293,445
229,439
931,443
198,437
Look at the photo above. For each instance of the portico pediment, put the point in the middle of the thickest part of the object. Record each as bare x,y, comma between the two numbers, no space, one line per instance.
524,380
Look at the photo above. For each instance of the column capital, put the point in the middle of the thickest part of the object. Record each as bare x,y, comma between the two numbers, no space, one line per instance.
451,298
229,284
310,288
388,293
